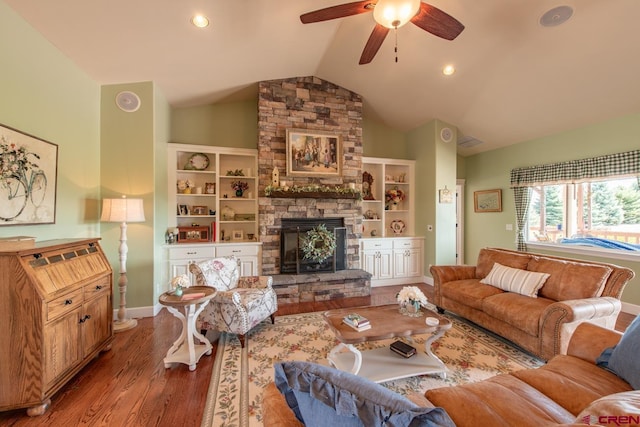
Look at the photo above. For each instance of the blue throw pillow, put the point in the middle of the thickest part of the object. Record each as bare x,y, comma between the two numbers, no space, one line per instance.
322,396
624,360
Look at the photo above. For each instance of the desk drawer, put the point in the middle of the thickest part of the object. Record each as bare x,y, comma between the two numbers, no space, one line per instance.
98,287
64,304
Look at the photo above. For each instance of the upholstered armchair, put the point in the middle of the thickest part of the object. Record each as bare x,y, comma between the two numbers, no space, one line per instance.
240,303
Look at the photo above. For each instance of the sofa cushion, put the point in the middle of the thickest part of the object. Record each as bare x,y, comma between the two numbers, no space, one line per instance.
502,400
323,396
515,280
615,405
487,257
468,292
572,382
570,280
625,359
517,310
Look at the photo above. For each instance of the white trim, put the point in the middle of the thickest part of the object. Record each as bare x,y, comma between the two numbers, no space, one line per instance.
630,308
586,250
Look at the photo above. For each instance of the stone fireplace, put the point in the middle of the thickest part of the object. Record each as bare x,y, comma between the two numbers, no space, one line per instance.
313,104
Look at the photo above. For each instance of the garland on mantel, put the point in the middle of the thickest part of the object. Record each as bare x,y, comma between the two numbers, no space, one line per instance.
312,190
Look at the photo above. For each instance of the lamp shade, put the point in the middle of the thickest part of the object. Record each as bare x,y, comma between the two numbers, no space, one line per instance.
122,210
395,13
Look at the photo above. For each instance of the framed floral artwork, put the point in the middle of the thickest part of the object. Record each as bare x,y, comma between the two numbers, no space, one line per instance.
28,178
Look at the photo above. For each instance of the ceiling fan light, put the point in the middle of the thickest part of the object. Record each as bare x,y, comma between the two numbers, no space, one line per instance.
395,13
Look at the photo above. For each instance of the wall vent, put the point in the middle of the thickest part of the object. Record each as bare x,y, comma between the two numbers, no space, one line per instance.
468,142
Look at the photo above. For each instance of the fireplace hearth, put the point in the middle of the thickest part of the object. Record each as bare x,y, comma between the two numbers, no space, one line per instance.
291,256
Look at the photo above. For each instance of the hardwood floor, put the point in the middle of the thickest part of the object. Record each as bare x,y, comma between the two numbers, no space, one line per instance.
129,386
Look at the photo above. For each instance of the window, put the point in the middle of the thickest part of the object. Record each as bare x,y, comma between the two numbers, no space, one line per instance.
598,213
571,194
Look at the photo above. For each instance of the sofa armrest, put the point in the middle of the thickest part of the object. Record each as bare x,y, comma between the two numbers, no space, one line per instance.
275,411
449,273
589,341
559,321
255,282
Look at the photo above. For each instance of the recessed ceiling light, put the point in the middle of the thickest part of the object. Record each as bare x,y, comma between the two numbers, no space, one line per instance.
448,70
200,21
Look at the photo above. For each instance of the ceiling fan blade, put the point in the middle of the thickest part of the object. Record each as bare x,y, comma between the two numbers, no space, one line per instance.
339,11
437,22
373,44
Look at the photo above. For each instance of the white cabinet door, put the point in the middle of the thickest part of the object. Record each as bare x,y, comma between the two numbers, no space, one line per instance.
406,263
385,266
378,263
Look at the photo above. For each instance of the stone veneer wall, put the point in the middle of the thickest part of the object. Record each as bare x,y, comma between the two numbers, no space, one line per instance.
314,104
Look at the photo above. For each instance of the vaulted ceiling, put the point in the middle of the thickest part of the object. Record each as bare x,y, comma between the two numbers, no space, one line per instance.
516,80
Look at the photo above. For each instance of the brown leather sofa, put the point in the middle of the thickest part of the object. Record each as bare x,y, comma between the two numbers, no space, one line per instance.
563,392
569,390
575,292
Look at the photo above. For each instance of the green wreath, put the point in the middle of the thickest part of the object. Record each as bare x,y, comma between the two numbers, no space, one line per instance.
318,243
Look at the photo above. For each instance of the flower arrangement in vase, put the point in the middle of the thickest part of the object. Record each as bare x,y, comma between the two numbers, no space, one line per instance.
240,187
410,299
393,197
179,283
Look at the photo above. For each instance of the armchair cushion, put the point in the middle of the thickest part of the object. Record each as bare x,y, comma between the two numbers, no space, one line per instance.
221,273
324,396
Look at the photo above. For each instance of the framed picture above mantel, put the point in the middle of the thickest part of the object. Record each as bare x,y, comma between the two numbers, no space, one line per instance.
313,153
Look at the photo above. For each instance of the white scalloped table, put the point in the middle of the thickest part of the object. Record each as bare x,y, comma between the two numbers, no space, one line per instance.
184,349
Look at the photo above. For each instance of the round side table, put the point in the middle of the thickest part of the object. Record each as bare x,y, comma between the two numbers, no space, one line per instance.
184,350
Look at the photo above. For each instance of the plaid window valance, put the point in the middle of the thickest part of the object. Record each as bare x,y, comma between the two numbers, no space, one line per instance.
618,165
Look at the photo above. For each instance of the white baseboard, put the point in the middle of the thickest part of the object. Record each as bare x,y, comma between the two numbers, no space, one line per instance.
631,308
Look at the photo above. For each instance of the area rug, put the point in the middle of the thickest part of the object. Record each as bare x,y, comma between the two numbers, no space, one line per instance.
239,375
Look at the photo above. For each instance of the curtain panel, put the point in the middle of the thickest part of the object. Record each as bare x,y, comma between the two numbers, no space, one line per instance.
575,171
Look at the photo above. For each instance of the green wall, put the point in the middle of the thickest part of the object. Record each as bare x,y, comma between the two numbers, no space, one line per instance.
379,140
223,125
490,170
46,95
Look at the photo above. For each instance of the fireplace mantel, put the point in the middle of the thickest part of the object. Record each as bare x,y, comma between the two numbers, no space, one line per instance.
312,195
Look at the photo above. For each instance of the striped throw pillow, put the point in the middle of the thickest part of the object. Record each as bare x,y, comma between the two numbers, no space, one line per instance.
523,282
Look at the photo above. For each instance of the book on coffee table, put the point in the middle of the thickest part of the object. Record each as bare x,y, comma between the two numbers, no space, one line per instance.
403,349
358,328
356,321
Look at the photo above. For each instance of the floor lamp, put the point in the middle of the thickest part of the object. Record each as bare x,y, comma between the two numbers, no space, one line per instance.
123,211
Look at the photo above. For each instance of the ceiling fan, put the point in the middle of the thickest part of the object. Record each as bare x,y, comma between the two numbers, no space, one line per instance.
390,14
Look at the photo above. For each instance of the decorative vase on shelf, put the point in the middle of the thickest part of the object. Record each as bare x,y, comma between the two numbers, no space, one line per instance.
228,214
394,206
239,193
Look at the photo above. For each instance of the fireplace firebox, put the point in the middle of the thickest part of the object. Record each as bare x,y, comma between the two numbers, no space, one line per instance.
291,256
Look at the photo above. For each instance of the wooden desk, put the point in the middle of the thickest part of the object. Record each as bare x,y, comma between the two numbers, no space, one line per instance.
184,350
